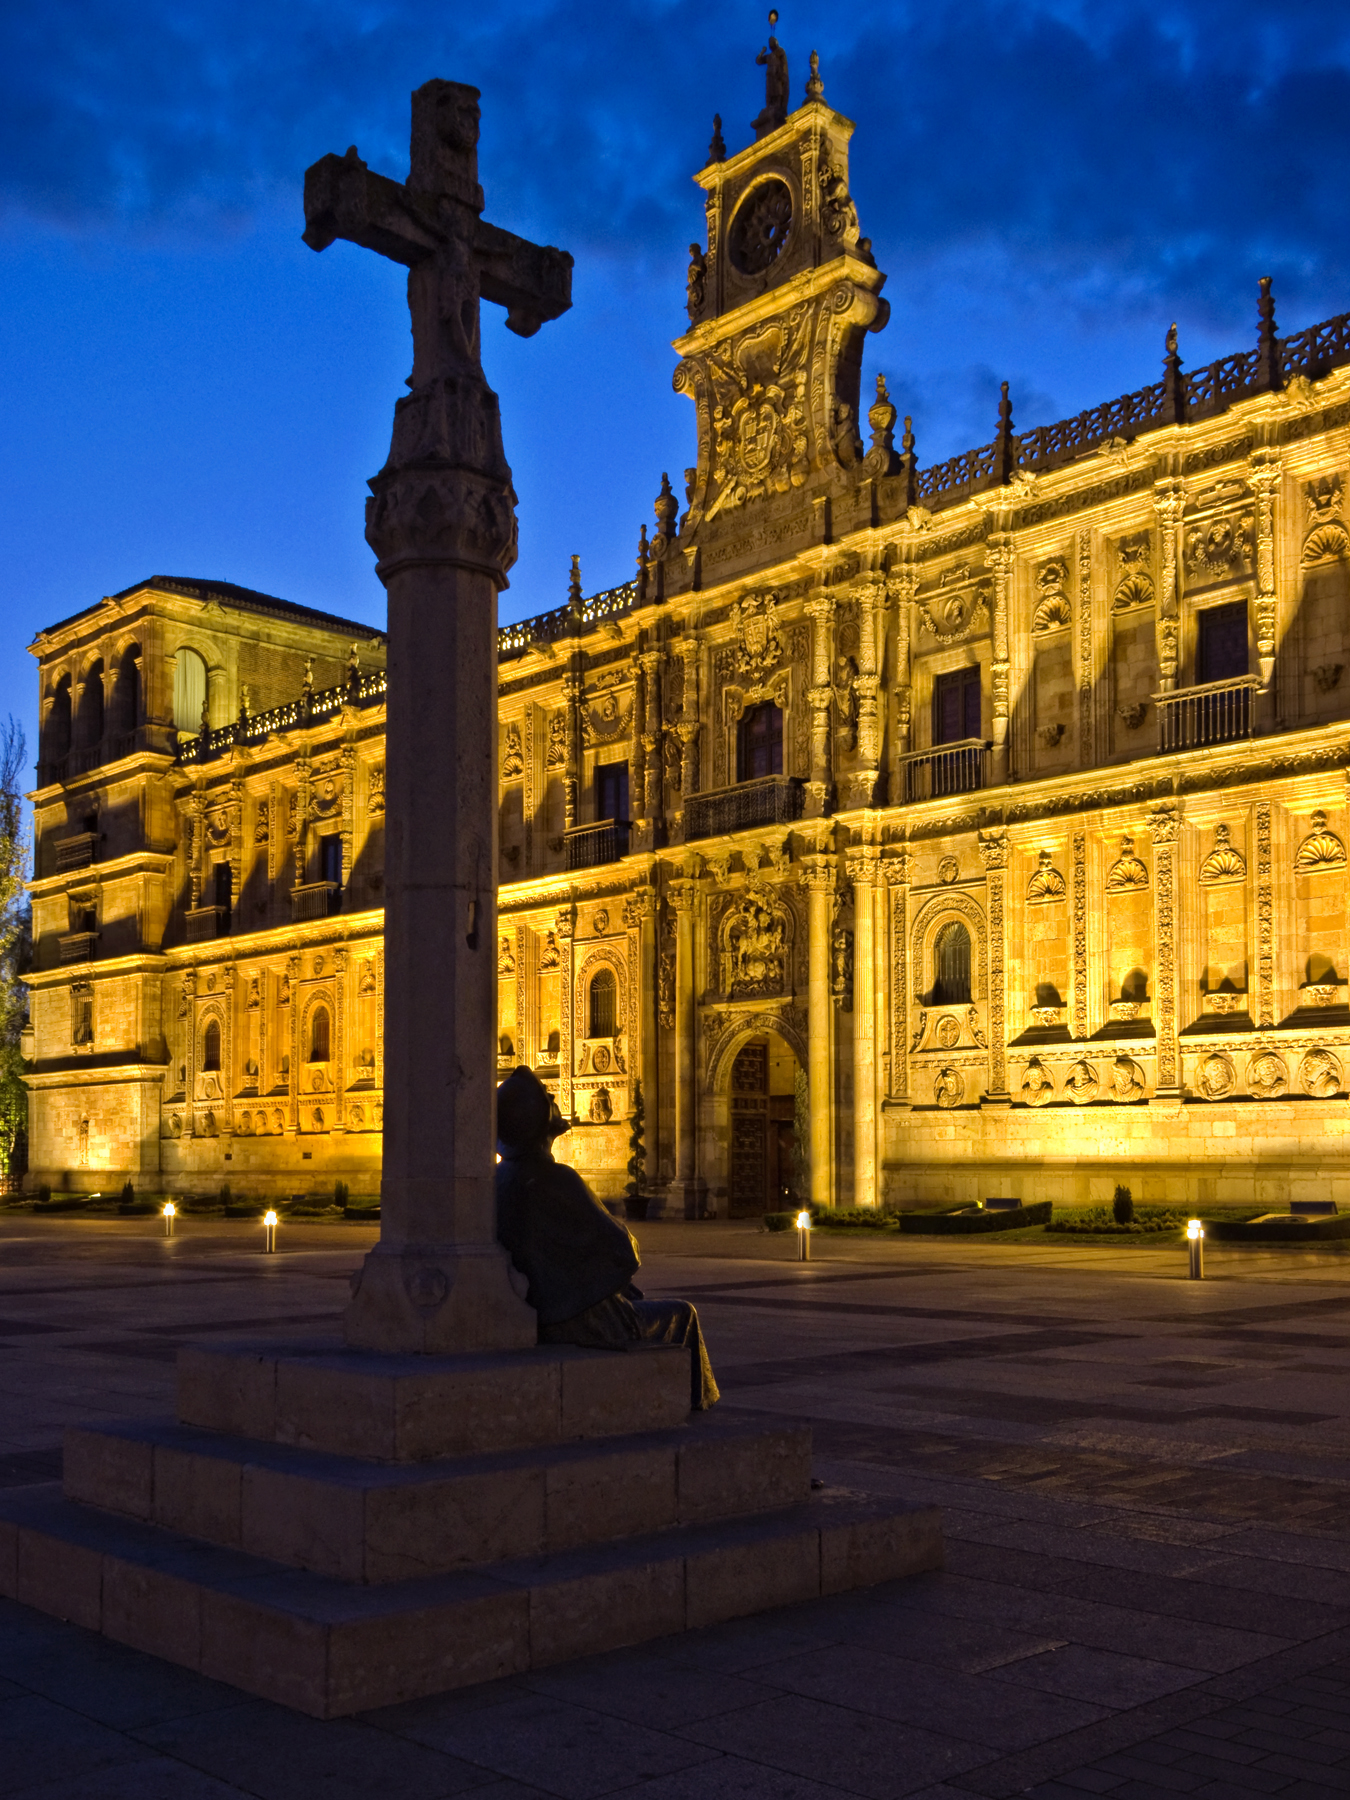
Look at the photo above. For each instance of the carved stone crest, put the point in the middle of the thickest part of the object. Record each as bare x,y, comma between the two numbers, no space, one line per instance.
759,649
1216,548
754,945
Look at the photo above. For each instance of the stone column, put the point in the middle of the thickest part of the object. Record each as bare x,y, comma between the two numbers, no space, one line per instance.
686,1189
1078,925
1001,567
868,982
1162,823
994,854
870,599
820,886
571,688
901,585
1266,471
896,873
689,720
819,790
654,790
1085,653
1265,922
640,914
1168,503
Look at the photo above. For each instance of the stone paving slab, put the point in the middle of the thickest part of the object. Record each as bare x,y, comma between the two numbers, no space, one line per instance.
1145,1484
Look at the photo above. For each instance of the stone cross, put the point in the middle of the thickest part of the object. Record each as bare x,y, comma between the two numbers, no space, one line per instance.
441,520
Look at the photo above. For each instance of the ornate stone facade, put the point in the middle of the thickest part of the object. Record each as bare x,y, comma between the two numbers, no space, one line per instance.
1026,887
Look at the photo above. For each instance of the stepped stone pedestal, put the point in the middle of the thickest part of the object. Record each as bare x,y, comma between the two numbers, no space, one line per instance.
337,1530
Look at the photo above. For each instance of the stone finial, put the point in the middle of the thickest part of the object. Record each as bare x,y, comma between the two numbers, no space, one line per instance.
307,683
1268,373
881,416
353,669
642,556
243,702
1005,457
815,87
717,149
1174,387
667,508
574,586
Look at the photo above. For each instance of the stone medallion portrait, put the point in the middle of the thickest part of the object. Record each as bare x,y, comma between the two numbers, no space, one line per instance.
1267,1076
1319,1074
1215,1079
1082,1083
1038,1084
949,1087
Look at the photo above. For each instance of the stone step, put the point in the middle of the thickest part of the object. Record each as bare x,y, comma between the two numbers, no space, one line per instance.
322,1396
376,1522
329,1648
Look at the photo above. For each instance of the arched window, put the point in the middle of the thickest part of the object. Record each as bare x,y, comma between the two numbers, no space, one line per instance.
127,692
759,743
211,1045
189,691
603,997
91,708
951,965
56,726
319,1035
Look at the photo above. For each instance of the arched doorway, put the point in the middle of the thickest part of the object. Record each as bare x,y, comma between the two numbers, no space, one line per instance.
767,1094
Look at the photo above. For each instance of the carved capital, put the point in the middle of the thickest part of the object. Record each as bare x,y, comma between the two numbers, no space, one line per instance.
683,894
819,874
994,848
1162,823
421,514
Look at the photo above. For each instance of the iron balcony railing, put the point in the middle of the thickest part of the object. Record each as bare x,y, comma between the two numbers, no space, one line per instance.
772,800
588,846
958,768
1215,713
76,852
77,946
315,900
207,922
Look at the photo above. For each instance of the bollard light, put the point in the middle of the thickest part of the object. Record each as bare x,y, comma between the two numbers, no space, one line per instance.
170,1214
269,1231
1195,1243
803,1237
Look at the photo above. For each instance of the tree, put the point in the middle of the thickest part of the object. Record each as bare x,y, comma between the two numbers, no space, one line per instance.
16,943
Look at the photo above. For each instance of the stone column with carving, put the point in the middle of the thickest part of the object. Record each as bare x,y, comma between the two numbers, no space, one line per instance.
639,914
571,688
565,927
994,855
1000,560
637,779
863,869
1078,925
896,873
819,789
1266,471
870,598
654,787
1168,502
688,648
901,586
1085,654
686,1190
1163,822
1265,922
820,878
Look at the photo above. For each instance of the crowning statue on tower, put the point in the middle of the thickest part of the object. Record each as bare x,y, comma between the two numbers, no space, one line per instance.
773,60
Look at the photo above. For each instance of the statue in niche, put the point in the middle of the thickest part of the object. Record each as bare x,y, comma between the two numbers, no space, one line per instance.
577,1260
846,699
1047,883
754,946
556,755
1321,849
841,966
366,980
1223,863
254,994
1127,872
695,283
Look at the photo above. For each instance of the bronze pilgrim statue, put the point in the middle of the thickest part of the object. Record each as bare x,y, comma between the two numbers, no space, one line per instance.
578,1259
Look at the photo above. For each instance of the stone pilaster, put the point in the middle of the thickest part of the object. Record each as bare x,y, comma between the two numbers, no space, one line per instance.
1085,654
896,873
820,697
1078,926
901,586
571,688
1000,556
864,873
1265,922
640,913
654,788
1266,471
687,1191
1168,504
820,878
1163,822
565,928
994,854
870,598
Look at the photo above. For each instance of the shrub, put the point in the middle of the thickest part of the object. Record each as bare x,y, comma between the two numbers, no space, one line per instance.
341,1194
1122,1206
44,1195
128,1193
634,1202
224,1197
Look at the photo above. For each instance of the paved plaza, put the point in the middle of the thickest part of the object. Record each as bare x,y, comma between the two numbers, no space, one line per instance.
1145,1485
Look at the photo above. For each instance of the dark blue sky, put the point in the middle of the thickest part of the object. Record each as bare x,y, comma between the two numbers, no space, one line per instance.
188,389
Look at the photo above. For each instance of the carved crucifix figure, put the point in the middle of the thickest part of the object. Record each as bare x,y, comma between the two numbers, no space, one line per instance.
441,520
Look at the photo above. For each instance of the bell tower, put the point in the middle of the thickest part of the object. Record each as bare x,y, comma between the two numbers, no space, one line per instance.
779,304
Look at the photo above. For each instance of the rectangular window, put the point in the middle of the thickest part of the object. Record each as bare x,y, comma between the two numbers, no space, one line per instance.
1221,654
224,880
330,858
611,791
759,743
956,706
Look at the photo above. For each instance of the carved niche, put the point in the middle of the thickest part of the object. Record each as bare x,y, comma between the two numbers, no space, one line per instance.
1134,579
1223,863
1053,608
1127,873
513,752
1046,883
1320,850
755,946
